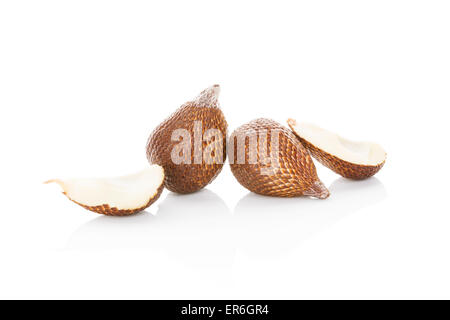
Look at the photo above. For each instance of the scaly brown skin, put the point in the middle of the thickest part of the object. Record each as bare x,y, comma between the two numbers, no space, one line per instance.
107,210
344,168
296,174
188,178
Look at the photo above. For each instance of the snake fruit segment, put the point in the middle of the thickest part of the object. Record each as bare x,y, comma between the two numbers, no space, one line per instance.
119,196
350,159
267,158
190,144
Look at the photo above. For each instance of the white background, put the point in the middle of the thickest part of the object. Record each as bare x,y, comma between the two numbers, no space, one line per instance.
83,83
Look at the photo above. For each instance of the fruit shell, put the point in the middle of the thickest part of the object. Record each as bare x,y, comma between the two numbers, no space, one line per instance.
112,211
115,196
342,167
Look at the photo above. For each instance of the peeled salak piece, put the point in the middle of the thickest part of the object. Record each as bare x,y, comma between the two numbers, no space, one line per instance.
267,158
119,196
191,144
350,159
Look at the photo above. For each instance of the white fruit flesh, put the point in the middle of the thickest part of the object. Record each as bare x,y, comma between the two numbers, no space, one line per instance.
124,193
363,153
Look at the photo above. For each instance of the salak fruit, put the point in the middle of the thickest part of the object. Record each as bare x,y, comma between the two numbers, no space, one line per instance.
267,158
190,144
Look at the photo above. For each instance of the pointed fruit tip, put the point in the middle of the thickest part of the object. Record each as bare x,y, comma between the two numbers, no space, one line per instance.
59,182
291,122
215,90
209,96
318,190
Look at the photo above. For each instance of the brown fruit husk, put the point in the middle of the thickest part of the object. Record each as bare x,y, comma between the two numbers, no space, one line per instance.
190,177
342,167
292,173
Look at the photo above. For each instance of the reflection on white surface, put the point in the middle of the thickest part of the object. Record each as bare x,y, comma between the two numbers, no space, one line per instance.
198,229
190,228
272,226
